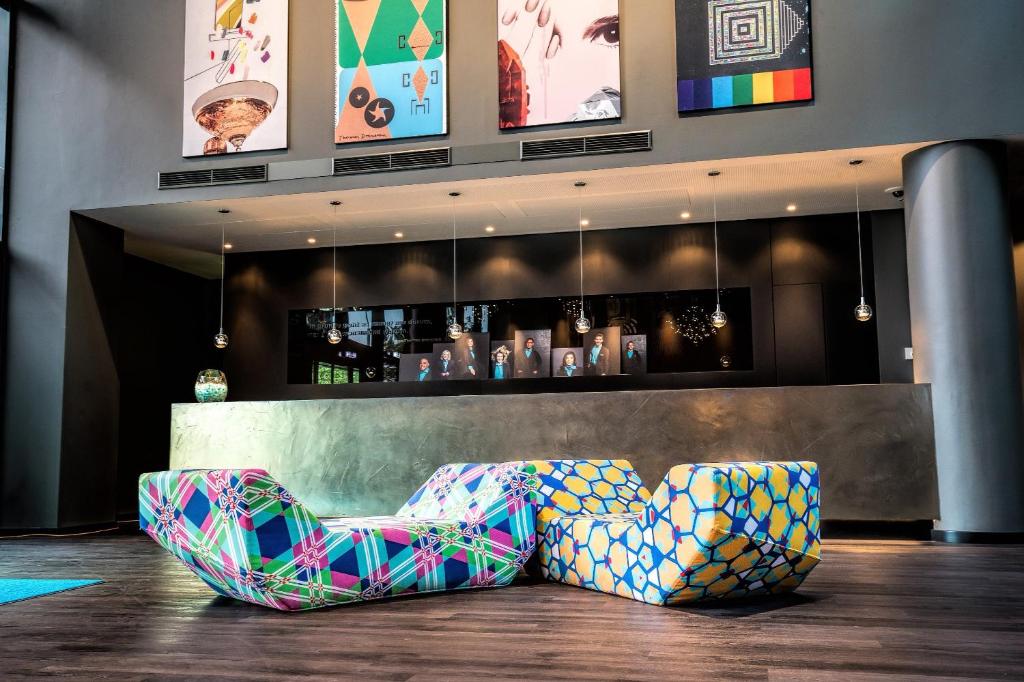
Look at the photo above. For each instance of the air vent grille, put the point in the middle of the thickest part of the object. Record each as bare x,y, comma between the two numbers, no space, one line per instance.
615,143
377,163
212,176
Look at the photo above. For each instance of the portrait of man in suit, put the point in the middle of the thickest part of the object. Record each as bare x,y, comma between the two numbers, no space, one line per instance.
597,357
528,360
424,373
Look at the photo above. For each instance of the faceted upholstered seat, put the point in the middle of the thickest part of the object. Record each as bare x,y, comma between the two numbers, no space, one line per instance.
470,525
709,530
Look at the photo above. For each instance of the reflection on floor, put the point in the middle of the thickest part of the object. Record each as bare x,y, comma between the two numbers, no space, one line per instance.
872,610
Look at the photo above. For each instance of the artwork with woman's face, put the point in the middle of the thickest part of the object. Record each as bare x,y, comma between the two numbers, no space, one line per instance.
566,362
558,61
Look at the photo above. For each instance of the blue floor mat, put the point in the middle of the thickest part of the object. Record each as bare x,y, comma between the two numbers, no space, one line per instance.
18,589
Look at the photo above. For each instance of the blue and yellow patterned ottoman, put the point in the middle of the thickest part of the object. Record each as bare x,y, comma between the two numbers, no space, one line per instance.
708,531
470,525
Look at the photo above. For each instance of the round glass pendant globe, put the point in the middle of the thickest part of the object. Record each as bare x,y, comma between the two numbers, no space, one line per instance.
725,361
371,372
583,325
454,331
333,336
863,312
220,340
718,319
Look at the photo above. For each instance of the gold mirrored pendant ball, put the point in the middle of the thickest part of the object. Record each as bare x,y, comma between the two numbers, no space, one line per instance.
454,331
583,325
220,340
718,319
333,336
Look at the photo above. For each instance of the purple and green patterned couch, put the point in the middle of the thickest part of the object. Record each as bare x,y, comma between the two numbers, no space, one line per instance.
708,531
470,525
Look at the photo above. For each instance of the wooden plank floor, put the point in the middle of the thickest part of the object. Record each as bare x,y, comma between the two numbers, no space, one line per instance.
871,610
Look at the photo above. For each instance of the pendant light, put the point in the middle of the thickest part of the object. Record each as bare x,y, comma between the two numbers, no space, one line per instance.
863,311
221,339
718,318
454,328
582,323
333,335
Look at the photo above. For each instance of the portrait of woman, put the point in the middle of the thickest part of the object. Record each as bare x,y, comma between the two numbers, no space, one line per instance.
500,368
558,61
445,365
568,368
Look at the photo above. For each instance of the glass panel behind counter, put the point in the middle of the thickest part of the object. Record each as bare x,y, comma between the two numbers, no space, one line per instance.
523,338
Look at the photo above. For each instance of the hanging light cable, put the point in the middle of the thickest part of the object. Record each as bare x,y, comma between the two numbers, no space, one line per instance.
221,339
718,318
863,311
582,322
333,335
454,328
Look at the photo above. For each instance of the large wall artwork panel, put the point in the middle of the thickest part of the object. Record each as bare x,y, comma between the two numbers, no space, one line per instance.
236,76
558,62
735,53
391,69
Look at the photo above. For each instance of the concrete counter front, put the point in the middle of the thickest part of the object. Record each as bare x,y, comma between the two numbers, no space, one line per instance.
874,443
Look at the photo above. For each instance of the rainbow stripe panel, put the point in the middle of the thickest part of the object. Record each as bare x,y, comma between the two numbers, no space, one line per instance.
766,87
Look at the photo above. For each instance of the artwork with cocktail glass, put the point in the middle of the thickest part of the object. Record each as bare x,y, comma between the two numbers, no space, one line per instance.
391,70
235,77
558,62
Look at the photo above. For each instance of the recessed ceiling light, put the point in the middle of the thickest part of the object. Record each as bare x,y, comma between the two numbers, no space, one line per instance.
224,210
311,240
791,208
584,222
228,245
489,228
399,235
685,215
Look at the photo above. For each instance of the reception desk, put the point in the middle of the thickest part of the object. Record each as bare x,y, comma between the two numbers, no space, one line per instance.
874,443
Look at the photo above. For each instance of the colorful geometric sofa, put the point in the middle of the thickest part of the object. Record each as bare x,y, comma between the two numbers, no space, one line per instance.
470,525
709,530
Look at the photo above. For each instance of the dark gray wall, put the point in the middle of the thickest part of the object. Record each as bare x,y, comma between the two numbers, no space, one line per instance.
819,251
892,302
356,457
97,102
166,321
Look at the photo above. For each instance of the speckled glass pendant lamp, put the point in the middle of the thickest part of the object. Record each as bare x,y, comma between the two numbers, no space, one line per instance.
454,328
582,323
863,311
333,335
221,339
718,318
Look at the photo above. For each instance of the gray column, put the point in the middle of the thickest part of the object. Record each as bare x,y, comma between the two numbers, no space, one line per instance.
964,328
